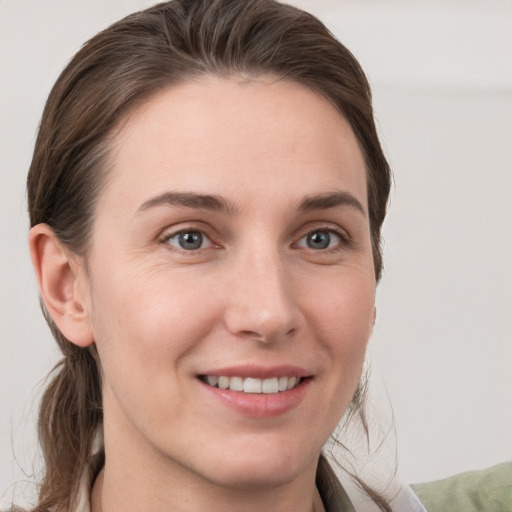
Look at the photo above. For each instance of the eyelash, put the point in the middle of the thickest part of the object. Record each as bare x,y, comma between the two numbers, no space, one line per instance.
343,243
169,236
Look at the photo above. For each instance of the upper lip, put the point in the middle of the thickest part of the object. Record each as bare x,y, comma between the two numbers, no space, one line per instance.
259,372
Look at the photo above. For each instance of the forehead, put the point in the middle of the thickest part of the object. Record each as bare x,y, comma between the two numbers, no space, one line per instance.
228,133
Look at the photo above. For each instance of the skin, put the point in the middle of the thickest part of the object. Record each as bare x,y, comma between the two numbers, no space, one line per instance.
255,293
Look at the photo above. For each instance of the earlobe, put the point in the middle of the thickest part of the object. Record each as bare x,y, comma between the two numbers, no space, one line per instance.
60,285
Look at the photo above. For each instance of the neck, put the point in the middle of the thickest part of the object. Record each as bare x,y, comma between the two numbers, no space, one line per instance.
137,476
104,500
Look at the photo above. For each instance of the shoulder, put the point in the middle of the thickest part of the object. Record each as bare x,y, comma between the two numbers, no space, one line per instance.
489,490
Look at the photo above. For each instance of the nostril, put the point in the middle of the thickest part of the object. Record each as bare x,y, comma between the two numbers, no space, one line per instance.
255,336
265,338
252,321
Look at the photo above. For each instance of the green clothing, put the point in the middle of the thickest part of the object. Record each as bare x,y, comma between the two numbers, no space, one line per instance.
489,490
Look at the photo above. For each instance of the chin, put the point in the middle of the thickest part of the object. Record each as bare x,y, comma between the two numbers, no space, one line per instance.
263,469
251,478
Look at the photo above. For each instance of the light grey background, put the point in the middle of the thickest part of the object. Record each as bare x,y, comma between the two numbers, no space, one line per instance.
441,72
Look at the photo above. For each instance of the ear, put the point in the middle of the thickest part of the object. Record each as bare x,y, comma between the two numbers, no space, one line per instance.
62,284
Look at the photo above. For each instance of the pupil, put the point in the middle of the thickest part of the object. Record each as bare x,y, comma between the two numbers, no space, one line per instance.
319,240
191,240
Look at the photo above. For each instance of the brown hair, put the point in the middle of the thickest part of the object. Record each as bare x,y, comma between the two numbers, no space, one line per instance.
114,72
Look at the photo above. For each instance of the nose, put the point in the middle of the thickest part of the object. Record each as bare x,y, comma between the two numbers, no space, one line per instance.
262,300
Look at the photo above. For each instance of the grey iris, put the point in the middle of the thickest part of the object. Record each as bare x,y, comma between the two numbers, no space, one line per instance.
190,240
319,240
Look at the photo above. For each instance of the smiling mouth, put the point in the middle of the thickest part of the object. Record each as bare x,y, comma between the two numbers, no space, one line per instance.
252,385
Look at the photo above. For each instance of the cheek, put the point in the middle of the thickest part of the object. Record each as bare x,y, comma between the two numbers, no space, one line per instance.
145,321
343,319
145,329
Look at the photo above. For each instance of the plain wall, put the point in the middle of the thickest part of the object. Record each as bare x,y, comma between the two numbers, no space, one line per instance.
442,347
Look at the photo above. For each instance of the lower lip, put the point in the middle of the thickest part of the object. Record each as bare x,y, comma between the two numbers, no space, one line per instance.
261,405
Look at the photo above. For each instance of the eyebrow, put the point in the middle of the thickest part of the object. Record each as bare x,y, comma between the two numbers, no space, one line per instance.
190,200
218,203
330,200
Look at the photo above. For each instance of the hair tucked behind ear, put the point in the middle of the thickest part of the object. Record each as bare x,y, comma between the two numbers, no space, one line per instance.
70,414
111,75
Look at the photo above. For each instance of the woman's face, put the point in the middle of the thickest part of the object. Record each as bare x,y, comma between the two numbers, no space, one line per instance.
232,248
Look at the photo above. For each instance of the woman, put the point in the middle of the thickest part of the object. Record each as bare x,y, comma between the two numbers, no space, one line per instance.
206,198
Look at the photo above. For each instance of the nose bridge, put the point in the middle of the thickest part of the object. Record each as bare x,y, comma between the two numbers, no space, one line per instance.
262,304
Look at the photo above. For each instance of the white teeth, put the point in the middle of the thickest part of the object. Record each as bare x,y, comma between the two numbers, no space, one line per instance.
236,384
223,382
270,385
253,385
291,382
213,380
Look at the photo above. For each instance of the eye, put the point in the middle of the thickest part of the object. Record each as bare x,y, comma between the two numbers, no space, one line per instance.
321,239
188,240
